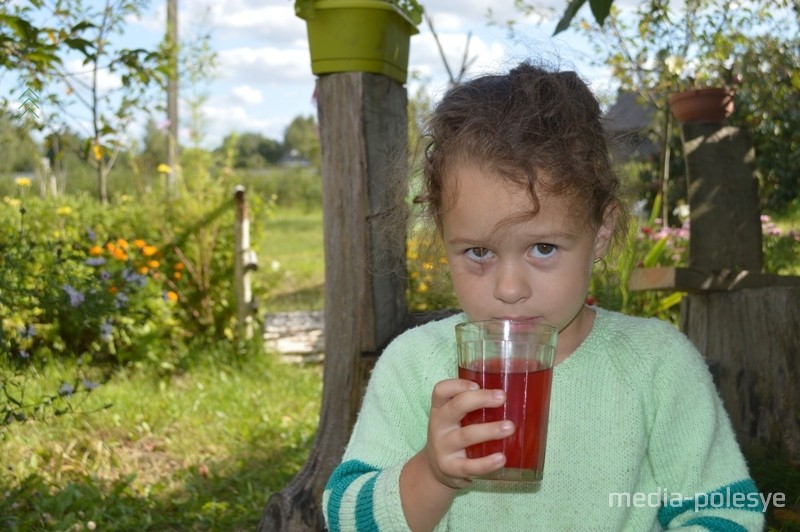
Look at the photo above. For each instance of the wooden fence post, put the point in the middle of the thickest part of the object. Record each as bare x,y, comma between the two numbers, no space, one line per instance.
244,261
364,137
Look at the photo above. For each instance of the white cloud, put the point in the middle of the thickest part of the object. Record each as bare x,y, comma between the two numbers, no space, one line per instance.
248,94
266,65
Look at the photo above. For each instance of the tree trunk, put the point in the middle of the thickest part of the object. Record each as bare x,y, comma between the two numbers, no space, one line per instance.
363,129
751,339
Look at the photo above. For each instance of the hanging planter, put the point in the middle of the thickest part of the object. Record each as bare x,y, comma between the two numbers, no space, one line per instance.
710,105
359,36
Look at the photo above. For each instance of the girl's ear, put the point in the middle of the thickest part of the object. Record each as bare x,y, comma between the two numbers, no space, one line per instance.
605,232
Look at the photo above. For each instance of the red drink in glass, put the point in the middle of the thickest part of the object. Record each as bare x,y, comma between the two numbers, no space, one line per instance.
527,404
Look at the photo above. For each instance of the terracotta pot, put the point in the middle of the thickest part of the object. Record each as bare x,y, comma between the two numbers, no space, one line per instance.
709,105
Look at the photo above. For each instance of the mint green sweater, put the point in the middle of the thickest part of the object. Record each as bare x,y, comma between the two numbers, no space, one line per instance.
638,440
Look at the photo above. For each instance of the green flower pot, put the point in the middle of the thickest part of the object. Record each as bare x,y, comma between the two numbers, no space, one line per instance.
359,36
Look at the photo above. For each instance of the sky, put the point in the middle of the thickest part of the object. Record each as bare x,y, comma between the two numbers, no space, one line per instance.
263,78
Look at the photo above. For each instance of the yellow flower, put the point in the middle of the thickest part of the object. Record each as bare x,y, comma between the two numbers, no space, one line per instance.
22,182
64,211
164,169
422,288
139,243
427,266
149,251
443,261
414,275
153,264
14,202
171,296
411,255
98,152
95,250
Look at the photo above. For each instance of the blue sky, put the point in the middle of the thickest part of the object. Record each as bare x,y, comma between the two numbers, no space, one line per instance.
264,78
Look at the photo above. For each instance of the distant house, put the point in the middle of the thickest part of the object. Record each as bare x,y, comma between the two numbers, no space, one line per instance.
628,123
293,159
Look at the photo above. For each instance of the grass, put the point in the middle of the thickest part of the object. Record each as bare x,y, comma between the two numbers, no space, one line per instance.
199,451
293,259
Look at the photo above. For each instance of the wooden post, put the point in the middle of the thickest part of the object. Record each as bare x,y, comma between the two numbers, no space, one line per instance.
244,261
745,323
754,335
723,198
364,136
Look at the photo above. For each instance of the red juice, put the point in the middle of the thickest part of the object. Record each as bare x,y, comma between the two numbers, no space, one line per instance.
527,404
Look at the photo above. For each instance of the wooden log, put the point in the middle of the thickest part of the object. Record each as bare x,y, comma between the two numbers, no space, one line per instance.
753,337
363,127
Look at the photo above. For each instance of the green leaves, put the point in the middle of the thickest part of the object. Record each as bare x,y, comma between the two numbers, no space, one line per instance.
600,10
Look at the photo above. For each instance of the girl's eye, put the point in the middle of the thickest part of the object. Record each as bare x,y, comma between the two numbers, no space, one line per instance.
479,254
543,251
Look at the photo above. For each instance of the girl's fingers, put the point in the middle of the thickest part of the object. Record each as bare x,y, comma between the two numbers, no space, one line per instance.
454,398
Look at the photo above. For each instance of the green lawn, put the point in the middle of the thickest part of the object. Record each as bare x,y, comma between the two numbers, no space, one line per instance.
197,451
292,256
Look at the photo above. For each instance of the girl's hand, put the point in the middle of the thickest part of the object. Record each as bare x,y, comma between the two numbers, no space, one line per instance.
445,450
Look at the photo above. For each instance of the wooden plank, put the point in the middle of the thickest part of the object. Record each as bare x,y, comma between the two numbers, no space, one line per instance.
677,279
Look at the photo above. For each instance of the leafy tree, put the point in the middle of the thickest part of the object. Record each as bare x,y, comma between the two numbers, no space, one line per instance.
18,151
39,56
302,135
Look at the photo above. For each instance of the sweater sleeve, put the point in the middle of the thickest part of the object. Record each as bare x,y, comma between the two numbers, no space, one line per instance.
363,492
693,450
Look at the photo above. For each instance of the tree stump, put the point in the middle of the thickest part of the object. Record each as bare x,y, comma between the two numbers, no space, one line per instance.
364,139
753,336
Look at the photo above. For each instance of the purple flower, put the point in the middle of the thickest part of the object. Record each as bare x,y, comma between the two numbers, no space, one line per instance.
120,300
90,234
89,385
66,389
24,355
106,331
95,261
29,331
75,297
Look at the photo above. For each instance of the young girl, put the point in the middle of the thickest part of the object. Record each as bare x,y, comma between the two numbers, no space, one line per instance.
519,182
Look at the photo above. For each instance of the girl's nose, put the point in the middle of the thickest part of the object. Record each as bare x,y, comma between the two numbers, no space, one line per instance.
511,285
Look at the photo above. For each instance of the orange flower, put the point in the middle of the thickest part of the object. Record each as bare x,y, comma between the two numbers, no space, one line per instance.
95,250
119,254
139,243
111,246
153,264
179,266
149,251
122,243
171,296
113,290
143,270
177,276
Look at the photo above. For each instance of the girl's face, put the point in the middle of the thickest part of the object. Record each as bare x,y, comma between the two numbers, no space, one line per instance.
507,265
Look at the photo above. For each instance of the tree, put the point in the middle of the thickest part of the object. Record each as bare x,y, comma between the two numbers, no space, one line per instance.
18,151
302,135
39,54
